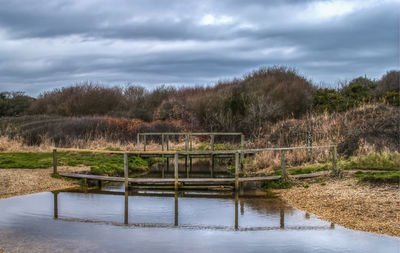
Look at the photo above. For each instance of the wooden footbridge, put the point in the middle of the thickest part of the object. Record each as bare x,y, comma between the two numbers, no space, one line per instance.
188,154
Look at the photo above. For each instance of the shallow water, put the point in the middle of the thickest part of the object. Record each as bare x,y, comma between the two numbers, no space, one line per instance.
152,221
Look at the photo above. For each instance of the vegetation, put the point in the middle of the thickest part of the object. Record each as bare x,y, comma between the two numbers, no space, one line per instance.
378,177
100,164
276,184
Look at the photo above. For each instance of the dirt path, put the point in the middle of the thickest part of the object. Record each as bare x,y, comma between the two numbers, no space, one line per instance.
15,182
357,206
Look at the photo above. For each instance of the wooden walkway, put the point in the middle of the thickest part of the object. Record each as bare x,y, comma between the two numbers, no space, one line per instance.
182,182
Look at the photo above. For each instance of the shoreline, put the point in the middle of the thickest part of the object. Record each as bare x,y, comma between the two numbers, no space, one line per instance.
18,182
364,207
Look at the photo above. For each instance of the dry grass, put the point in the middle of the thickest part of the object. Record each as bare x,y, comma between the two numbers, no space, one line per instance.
364,207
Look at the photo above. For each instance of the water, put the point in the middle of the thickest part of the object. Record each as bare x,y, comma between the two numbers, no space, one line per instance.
150,221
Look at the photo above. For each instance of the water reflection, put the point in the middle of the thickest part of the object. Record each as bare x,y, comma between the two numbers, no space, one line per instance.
268,206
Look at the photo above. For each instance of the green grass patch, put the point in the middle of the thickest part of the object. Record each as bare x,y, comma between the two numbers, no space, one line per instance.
378,177
276,184
373,161
308,170
101,164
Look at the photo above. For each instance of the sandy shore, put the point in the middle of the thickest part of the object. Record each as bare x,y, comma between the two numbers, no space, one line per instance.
15,182
357,206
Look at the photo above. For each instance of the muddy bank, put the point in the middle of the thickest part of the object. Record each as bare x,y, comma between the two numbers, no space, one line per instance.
357,206
15,182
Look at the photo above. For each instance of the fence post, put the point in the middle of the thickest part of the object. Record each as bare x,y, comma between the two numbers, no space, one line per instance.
283,164
186,142
336,171
138,142
126,170
212,142
144,142
176,170
241,148
162,142
309,145
54,161
236,171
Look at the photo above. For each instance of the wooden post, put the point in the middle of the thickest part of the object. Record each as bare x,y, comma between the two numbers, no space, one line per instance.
212,165
283,164
144,142
186,142
176,170
126,171
334,162
309,145
54,161
190,142
212,142
186,166
236,171
163,167
138,142
241,148
162,142
167,144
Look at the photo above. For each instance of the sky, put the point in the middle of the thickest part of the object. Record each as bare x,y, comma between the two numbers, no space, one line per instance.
51,44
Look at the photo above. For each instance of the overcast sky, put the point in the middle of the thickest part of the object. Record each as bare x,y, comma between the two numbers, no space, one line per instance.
48,44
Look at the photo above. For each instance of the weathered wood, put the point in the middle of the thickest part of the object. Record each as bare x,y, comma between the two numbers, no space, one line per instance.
212,141
144,143
212,165
189,180
138,142
176,171
126,173
162,142
334,162
54,161
283,163
186,166
163,167
186,142
236,171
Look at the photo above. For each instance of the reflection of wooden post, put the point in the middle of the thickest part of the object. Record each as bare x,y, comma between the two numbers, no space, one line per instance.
176,209
54,161
126,213
212,165
55,203
241,207
126,170
138,142
236,211
176,170
236,171
282,220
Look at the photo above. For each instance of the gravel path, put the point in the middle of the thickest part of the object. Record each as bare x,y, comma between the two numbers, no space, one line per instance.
15,182
357,206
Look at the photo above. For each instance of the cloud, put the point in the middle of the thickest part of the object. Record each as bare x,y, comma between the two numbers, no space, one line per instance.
48,44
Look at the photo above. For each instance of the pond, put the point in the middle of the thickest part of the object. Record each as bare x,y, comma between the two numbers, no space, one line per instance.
111,220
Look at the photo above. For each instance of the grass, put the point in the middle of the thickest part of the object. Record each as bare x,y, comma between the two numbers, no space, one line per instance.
373,161
276,184
378,177
108,164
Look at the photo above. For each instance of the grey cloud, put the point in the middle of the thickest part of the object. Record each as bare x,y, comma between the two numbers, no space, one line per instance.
164,42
